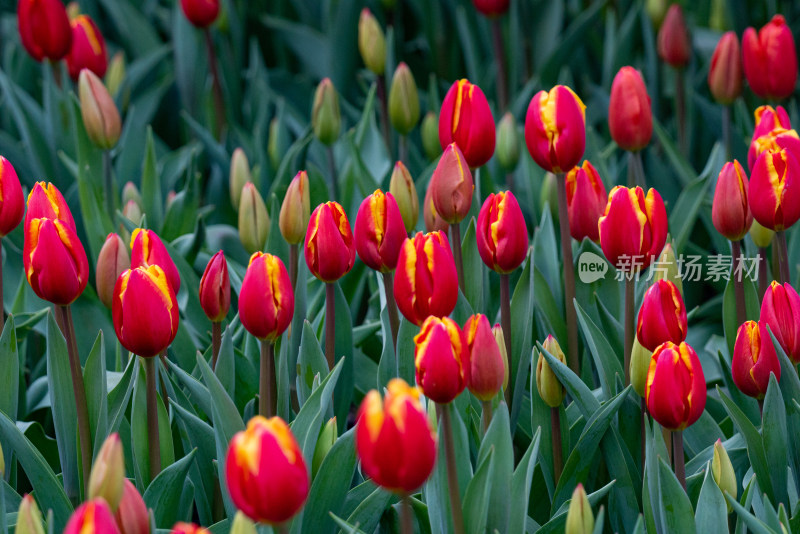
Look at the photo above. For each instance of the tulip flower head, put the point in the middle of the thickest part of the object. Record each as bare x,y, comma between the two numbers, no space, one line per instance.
326,119
265,471
108,473
754,359
441,358
92,517
132,516
379,231
580,519
549,387
403,100
773,131
394,439
487,367
88,48
296,209
329,248
586,201
148,249
405,194
730,211
676,387
371,42
451,186
112,261
630,119
266,300
774,190
722,470
433,222
662,316
188,528
508,142
501,233
12,200
239,175
674,46
555,129
770,59
44,29
725,72
54,260
492,8
467,121
429,131
201,13
45,201
215,288
780,310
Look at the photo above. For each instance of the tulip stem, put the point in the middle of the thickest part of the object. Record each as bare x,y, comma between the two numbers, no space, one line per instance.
406,515
761,408
391,308
630,331
487,414
153,443
497,38
108,184
644,426
505,323
2,305
293,265
452,473
569,276
402,148
738,283
555,430
762,272
783,257
216,341
455,236
680,111
726,132
638,169
330,324
79,391
384,113
677,457
219,105
268,396
332,169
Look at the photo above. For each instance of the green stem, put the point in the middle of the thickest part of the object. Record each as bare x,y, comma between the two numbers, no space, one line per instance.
334,178
406,516
644,426
391,308
216,341
384,113
783,257
487,414
108,185
219,104
763,281
452,473
497,38
555,430
638,169
569,276
630,330
680,105
293,265
455,236
153,441
726,132
505,324
268,395
738,284
330,324
680,462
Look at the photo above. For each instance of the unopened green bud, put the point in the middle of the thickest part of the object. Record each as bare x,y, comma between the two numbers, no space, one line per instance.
580,519
550,389
133,212
666,267
507,143
73,10
762,236
99,113
242,525
253,219
430,136
548,194
278,143
500,338
718,17
657,10
239,175
371,42
108,473
29,518
403,100
325,116
327,437
640,364
115,75
402,188
131,192
295,210
722,471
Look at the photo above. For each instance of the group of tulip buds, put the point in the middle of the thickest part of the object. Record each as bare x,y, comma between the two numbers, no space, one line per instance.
254,221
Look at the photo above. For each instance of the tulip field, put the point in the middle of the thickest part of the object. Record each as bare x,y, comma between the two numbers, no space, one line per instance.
399,266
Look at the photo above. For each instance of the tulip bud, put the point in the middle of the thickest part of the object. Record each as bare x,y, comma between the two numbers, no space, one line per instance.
580,519
44,29
73,9
215,288
133,212
433,222
325,117
99,112
144,310
242,525
253,219
770,59
466,120
676,387
88,48
662,316
548,195
586,201
555,129
327,437
131,193
774,191
403,100
201,13
633,229
115,75
492,8
295,210
148,249
394,438
111,262
656,10
45,201
379,232
265,471
630,119
730,211
501,233
441,358
277,144
423,259
754,359
371,42
430,136
12,201
762,237
507,143
451,186
550,389
773,131
500,339
266,300
666,267
767,119
722,470
780,310
132,516
92,516
329,248
673,45
108,473
718,18
725,72
405,194
640,363
29,518
188,528
487,368
54,259
171,196
239,176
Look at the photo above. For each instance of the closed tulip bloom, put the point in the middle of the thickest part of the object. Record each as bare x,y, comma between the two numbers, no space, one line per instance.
92,517
662,316
725,72
774,191
215,288
132,516
441,358
730,211
466,120
762,237
508,142
555,129
148,249
29,518
491,8
379,231
238,176
776,139
144,310
98,111
266,300
296,209
265,471
633,229
754,359
45,201
586,201
500,339
44,29
426,282
371,42
487,368
433,222
329,248
429,131
326,119
640,364
12,201
676,387
188,528
770,59
780,310
451,186
501,232
549,387
254,220
394,439
242,525
580,519
630,119
55,262
112,261
767,118
403,100
108,472
405,194
88,48
674,46
201,13
722,470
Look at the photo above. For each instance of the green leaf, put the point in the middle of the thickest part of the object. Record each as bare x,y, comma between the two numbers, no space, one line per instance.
310,363
9,370
606,361
522,310
521,485
308,422
476,498
139,433
367,514
405,348
754,525
163,495
226,365
94,378
152,196
556,523
498,440
119,397
712,510
474,271
678,516
776,440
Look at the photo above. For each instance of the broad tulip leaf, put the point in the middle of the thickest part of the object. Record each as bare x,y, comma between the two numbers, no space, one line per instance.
477,496
94,379
163,495
498,440
606,361
712,510
776,440
677,514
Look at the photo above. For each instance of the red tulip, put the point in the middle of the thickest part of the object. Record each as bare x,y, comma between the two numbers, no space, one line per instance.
12,201
88,48
487,367
492,8
630,119
44,29
55,262
662,316
441,358
730,211
188,528
148,249
426,282
131,514
725,72
674,46
46,202
773,131
215,288
676,387
770,59
768,119
433,222
555,129
92,517
586,201
266,300
379,231
466,120
201,13
145,311
112,261
780,310
501,232
265,471
330,248
754,359
774,191
451,186
394,440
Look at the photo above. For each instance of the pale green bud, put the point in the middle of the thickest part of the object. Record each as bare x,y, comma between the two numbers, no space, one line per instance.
253,219
403,100
325,116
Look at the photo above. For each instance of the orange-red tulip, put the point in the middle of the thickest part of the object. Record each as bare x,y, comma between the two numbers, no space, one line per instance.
501,232
774,191
266,300
754,359
112,261
148,249
44,29
487,367
630,119
88,48
451,186
586,201
725,72
55,262
770,59
45,201
676,387
215,288
555,129
780,310
466,120
330,248
92,517
441,358
730,211
662,316
379,231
